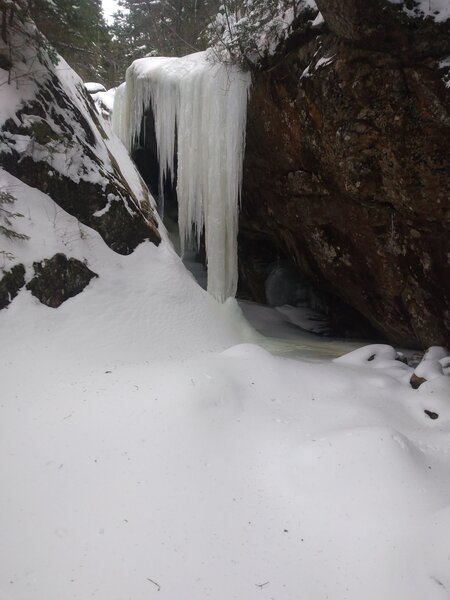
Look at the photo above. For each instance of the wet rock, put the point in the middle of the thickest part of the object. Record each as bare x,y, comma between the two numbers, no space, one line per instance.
58,279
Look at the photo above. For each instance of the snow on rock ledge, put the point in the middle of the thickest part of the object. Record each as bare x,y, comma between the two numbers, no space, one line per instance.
200,112
438,10
52,139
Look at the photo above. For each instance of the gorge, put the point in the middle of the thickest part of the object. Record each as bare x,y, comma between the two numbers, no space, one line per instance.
346,173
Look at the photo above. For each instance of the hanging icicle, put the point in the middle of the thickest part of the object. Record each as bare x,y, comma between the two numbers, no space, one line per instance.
200,108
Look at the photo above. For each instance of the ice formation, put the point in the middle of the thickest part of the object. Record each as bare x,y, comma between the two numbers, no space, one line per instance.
200,111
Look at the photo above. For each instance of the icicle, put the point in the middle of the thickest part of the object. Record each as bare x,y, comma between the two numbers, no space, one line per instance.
202,108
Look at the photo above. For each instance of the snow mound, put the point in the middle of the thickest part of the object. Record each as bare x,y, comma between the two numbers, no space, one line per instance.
232,475
380,357
93,87
147,451
432,373
200,113
435,369
147,291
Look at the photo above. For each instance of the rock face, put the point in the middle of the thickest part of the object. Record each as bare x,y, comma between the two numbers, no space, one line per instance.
58,279
54,140
347,166
10,284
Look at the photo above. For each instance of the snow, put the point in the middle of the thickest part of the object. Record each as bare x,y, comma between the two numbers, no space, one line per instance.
438,10
445,65
306,318
68,132
68,160
61,152
434,362
255,30
222,475
200,110
105,101
171,293
324,61
150,446
14,94
93,87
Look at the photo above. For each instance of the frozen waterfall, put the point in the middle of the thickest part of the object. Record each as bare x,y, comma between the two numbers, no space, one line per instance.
200,111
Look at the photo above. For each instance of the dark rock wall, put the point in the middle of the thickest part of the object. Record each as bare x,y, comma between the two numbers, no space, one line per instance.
11,282
347,166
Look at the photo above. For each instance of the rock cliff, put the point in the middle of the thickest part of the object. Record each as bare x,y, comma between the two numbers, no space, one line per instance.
53,140
347,166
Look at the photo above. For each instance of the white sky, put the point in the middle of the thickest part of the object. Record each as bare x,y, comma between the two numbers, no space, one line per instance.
109,6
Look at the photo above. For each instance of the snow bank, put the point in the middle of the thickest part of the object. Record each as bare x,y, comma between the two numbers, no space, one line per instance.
138,459
230,476
433,369
200,110
147,291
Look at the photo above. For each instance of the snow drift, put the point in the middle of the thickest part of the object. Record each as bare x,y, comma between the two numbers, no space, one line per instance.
139,459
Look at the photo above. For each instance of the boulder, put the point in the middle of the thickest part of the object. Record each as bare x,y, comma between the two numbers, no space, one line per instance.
59,278
347,169
53,139
10,284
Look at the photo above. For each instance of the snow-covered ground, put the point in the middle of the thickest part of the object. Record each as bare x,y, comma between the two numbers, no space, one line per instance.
149,447
154,445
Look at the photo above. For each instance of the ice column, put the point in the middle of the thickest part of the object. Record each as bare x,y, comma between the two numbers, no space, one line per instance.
200,108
